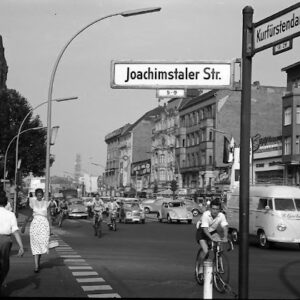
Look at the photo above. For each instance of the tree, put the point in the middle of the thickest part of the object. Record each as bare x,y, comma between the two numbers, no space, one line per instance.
32,144
174,187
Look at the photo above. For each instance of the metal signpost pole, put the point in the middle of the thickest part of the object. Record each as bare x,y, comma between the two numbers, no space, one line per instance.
245,146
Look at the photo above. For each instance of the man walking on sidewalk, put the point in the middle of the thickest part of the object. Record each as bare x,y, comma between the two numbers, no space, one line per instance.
8,226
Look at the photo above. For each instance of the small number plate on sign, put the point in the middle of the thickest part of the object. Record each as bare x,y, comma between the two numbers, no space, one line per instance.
170,93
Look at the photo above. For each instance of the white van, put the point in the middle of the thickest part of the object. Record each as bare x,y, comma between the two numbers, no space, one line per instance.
274,214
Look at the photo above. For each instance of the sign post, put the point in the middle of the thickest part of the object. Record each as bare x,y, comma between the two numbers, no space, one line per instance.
244,151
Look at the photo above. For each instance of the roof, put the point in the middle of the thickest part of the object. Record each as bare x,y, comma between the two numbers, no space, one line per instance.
194,100
291,66
151,113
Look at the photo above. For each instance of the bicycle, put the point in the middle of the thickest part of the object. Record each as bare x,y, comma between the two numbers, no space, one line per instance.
98,224
63,214
221,269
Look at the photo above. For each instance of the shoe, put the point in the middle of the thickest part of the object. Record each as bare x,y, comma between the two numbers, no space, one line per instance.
36,270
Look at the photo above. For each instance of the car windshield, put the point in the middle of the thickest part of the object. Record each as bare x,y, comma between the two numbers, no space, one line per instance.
175,204
297,202
285,204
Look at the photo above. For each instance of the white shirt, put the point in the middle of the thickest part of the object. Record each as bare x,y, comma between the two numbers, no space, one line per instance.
113,206
8,221
39,207
212,223
97,204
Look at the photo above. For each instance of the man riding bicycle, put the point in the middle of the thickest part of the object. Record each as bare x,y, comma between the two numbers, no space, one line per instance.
207,229
112,206
97,207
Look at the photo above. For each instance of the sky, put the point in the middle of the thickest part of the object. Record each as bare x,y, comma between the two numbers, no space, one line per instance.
35,31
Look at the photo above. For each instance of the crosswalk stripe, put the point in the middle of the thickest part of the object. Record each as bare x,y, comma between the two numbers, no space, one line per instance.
113,295
99,279
84,273
69,255
80,267
90,288
74,260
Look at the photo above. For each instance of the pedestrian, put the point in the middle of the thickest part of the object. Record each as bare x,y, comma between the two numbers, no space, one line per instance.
8,226
39,231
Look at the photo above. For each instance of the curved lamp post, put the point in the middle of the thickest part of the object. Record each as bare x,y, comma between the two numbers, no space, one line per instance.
50,91
6,152
18,135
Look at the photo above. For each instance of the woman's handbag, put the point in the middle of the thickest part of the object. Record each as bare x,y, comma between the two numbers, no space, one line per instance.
52,243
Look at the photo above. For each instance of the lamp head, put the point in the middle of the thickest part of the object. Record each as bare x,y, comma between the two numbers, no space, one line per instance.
135,12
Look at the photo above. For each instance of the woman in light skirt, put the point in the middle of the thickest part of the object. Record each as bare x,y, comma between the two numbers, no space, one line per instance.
39,228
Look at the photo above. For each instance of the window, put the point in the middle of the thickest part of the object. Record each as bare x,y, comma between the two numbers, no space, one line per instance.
298,114
297,202
201,114
197,138
162,175
288,116
210,160
183,142
287,145
285,204
297,150
162,158
210,135
263,202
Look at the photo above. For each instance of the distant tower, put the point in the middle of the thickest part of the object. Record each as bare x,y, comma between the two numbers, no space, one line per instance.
3,66
77,172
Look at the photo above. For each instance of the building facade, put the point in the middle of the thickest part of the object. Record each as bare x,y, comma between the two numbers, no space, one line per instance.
291,125
206,119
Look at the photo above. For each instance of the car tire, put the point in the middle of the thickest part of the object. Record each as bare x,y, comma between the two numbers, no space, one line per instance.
146,210
195,212
234,236
169,219
262,240
143,221
189,221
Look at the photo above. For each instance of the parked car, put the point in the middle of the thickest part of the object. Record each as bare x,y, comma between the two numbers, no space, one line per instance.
152,205
131,211
77,209
174,211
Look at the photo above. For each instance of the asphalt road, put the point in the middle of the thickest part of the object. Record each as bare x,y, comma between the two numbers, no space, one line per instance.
151,260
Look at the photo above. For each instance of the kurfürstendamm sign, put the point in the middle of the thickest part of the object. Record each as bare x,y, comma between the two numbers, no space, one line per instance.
172,75
277,28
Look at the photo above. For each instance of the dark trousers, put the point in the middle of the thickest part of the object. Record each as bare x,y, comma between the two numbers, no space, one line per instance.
5,246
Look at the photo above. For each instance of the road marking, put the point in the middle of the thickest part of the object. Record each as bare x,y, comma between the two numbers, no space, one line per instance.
69,255
104,296
89,288
98,279
80,267
84,273
77,263
74,260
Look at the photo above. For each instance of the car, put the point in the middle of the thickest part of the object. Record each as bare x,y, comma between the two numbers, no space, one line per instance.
131,211
152,205
77,209
194,207
175,211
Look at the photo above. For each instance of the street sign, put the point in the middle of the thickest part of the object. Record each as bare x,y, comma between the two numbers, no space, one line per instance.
170,93
173,75
282,47
275,29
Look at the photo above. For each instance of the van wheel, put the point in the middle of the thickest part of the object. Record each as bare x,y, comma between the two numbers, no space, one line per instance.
262,240
234,236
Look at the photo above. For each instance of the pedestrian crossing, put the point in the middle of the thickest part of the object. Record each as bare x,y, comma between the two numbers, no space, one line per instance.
90,281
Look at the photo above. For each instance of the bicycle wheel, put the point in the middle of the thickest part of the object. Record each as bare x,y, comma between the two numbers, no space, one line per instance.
99,229
199,261
221,275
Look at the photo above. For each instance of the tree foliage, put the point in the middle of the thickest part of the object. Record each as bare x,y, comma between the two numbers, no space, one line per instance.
32,144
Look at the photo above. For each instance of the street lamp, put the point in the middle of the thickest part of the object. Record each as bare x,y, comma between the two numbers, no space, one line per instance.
50,91
6,152
18,135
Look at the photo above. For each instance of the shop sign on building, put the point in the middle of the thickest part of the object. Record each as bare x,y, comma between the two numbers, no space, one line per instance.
141,168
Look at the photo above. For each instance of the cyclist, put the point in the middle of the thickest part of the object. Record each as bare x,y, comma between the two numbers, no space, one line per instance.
97,207
112,206
53,209
212,220
63,210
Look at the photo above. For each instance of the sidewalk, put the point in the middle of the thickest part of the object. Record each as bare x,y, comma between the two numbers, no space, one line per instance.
53,280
